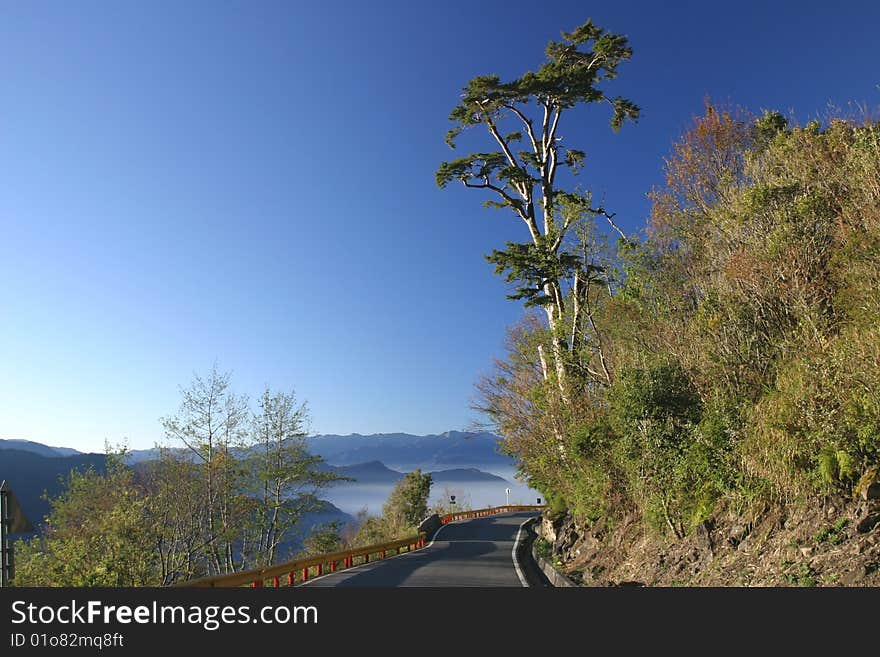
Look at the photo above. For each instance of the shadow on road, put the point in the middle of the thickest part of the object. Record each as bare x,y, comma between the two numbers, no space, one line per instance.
475,553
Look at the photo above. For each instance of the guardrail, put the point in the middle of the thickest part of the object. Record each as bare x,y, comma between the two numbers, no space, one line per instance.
298,571
491,511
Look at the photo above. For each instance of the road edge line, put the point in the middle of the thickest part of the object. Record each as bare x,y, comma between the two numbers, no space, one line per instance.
516,543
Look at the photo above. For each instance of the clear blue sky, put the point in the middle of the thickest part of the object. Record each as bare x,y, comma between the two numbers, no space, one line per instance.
252,183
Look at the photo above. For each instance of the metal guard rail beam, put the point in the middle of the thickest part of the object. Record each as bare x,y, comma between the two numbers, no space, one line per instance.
290,573
491,511
304,567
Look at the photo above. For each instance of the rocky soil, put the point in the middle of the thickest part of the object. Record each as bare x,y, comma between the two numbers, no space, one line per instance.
835,542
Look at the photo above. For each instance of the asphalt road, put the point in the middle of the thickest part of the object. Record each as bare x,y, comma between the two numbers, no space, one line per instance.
475,552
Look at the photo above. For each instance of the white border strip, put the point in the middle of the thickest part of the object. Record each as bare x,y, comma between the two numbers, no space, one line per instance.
516,566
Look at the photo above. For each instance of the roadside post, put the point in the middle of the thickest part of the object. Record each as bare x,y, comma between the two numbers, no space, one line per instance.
12,520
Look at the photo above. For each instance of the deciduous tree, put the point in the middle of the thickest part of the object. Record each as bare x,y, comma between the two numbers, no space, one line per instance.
284,477
211,423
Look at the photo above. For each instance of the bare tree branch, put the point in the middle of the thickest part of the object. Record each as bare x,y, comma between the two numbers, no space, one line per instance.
529,129
516,204
551,156
610,218
598,334
507,152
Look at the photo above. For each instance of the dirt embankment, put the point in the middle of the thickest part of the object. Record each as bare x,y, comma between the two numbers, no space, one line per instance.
835,542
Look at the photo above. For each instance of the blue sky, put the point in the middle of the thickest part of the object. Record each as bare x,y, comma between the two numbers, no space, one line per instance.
252,183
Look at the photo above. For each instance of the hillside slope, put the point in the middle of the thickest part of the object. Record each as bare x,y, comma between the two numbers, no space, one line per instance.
31,475
833,543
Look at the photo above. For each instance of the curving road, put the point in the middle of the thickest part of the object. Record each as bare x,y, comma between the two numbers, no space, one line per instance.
477,552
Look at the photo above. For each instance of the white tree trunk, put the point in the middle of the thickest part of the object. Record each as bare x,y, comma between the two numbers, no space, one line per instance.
553,316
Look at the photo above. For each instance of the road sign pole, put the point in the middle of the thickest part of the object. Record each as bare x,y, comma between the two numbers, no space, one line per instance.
5,522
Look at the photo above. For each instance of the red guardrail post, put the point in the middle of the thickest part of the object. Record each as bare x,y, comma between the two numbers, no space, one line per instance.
275,582
257,584
320,569
383,554
332,566
305,574
290,578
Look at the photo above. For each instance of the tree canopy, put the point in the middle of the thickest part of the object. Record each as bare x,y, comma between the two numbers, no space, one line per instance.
522,118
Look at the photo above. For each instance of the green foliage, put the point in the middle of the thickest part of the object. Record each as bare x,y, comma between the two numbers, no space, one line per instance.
373,530
532,267
665,450
571,75
177,518
556,507
833,534
803,576
407,505
403,511
543,548
835,465
739,336
283,479
324,539
767,127
526,180
95,535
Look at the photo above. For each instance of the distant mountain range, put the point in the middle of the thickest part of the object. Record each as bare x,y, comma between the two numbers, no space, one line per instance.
452,458
36,448
31,473
403,451
376,472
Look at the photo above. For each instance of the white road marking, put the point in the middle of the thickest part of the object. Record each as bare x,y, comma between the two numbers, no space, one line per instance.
519,535
519,573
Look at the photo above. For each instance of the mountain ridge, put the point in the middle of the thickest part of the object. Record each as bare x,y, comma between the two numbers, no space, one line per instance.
34,447
372,472
400,451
